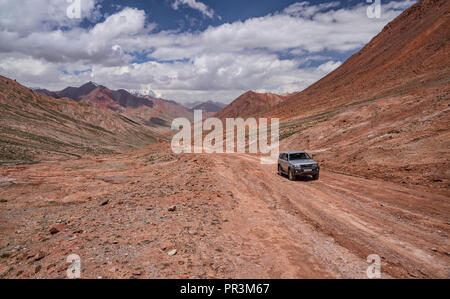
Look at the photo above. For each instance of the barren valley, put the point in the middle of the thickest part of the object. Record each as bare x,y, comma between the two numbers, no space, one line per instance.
90,171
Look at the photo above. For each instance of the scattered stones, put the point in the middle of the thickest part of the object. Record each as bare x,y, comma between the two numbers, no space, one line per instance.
3,200
39,256
172,252
57,228
115,179
37,269
434,249
172,208
137,271
5,255
104,203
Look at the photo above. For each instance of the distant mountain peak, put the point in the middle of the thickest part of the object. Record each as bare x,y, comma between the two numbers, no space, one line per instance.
209,107
250,103
89,84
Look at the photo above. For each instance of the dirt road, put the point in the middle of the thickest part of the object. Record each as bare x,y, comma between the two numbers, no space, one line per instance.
328,228
227,216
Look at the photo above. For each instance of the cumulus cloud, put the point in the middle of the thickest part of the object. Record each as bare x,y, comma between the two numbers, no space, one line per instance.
304,9
335,30
27,16
98,45
329,66
194,4
280,52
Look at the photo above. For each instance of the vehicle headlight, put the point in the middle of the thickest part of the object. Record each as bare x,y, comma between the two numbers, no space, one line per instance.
298,167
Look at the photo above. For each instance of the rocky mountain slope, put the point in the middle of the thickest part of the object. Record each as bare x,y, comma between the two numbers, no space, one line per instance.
74,93
209,106
249,104
152,214
412,52
159,118
146,110
384,113
34,127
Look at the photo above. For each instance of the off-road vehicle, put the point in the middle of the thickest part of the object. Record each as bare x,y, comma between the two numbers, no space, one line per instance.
296,164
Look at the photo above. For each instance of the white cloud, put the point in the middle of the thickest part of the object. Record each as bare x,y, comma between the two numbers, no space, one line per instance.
334,30
194,4
304,9
218,63
98,45
27,16
25,66
329,66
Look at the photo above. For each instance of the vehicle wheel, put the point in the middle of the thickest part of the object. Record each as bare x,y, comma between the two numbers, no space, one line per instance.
291,175
279,170
316,177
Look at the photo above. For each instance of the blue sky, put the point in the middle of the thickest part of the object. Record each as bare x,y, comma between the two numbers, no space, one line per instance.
186,18
185,50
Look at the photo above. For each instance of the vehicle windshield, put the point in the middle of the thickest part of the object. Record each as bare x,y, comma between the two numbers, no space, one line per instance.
299,156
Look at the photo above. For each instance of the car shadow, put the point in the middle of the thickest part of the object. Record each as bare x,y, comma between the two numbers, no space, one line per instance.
305,179
300,179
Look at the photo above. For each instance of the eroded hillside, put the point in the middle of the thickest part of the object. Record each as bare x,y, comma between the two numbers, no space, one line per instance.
35,127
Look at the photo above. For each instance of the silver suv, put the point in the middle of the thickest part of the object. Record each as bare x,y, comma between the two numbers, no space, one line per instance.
296,164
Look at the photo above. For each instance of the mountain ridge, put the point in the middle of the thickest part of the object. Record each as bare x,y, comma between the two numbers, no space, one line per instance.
384,112
146,110
249,104
37,127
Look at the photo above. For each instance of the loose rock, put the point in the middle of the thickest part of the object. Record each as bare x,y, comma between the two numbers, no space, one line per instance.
57,228
39,256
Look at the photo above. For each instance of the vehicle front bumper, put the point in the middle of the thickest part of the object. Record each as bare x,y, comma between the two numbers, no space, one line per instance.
300,172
